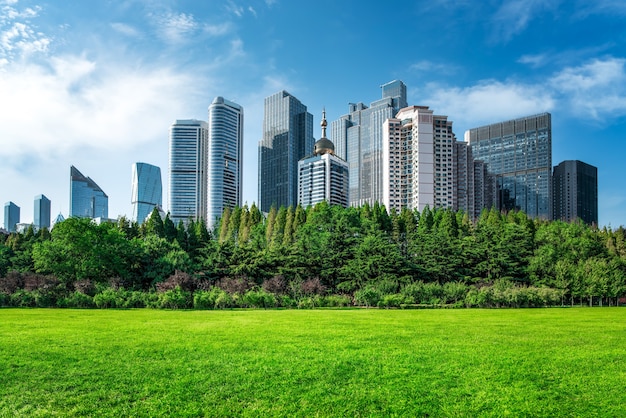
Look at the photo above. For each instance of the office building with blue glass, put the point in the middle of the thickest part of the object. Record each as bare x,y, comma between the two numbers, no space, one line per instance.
287,138
358,139
11,216
225,162
575,192
42,212
87,199
519,153
146,190
187,166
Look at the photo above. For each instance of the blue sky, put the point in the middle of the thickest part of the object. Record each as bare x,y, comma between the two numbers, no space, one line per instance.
97,84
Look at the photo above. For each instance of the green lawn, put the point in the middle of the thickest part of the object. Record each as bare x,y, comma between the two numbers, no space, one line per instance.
526,362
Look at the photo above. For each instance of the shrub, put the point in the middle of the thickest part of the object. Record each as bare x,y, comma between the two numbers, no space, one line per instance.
259,299
368,296
108,298
76,300
5,299
11,282
336,301
86,287
179,279
392,301
23,299
276,285
232,286
175,299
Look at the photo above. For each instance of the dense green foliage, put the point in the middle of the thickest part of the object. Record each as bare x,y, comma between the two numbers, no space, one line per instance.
466,363
322,256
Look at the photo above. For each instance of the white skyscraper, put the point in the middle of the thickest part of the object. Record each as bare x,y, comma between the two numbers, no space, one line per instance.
188,165
225,161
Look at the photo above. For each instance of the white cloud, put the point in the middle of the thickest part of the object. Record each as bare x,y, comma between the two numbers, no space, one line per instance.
175,28
534,61
488,102
17,37
513,16
75,103
218,30
434,67
234,8
125,29
596,89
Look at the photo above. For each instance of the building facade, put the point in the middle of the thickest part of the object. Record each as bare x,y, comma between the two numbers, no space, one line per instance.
146,190
87,199
225,158
358,138
11,216
575,192
323,176
287,138
42,212
188,165
519,153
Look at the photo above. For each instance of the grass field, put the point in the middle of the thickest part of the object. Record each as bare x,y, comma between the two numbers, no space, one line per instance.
527,362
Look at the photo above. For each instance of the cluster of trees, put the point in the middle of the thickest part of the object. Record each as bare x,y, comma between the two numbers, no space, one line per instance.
320,256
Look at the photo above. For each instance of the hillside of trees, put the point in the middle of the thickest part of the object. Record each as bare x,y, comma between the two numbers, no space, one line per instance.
320,256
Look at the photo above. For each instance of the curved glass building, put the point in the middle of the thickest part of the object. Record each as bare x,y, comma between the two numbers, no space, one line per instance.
146,190
187,164
87,199
224,157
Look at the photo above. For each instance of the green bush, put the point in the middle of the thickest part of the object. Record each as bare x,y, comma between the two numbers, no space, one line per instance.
23,299
337,301
108,298
392,301
5,299
76,300
259,299
368,296
175,299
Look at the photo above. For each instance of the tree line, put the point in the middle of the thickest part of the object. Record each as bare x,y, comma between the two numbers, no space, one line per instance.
319,256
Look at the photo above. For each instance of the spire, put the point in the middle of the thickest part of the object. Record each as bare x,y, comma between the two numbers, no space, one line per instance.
323,124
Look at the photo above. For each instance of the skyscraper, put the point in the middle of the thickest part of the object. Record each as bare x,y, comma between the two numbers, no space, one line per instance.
323,176
188,164
87,199
287,137
575,192
42,212
11,216
146,190
418,160
519,153
358,138
225,157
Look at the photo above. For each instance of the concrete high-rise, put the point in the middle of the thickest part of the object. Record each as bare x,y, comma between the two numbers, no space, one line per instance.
187,166
11,216
146,190
225,162
519,153
287,137
42,212
575,192
87,199
358,139
323,176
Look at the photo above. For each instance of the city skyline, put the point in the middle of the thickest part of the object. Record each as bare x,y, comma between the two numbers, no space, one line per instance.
98,85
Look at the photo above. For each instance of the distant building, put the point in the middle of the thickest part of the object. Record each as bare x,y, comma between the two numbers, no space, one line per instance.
42,212
11,216
59,218
146,190
358,139
225,160
188,165
287,138
575,192
519,153
87,199
323,176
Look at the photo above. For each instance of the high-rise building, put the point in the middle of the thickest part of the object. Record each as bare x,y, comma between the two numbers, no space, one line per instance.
188,165
42,212
146,190
287,137
323,176
11,216
87,199
519,153
419,165
358,139
225,157
575,192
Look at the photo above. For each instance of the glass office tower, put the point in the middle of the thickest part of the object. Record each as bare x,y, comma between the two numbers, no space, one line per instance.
358,138
287,137
575,192
188,165
11,216
519,153
42,212
146,190
87,199
225,157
